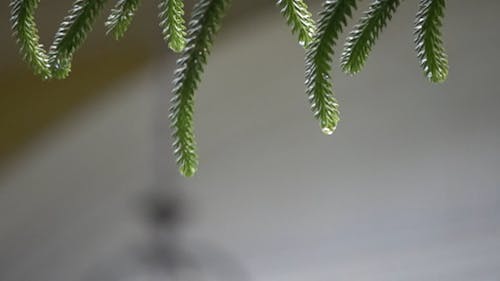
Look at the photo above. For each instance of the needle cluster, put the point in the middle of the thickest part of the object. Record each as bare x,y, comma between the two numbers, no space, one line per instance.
195,41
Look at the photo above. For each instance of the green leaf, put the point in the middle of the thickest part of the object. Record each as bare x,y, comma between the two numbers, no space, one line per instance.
333,18
299,19
26,32
71,34
362,38
172,24
429,45
121,17
204,23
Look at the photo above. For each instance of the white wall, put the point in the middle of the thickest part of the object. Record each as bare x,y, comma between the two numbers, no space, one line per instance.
407,188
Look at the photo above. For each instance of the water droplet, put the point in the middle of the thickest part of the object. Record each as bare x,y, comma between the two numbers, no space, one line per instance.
328,131
187,170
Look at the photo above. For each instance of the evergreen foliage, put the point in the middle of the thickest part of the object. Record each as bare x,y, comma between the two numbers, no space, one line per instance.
172,24
362,38
204,23
121,17
71,34
429,44
196,41
26,32
318,62
299,19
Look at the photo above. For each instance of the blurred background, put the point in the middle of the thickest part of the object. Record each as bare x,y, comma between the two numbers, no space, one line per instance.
408,188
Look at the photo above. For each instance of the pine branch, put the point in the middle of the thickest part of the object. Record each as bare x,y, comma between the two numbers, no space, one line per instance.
318,62
26,32
429,45
204,23
172,23
362,38
121,17
299,19
71,34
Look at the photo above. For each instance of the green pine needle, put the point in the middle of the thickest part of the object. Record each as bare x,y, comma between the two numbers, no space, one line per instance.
121,17
333,18
204,23
26,32
299,19
362,38
429,45
195,44
172,24
71,34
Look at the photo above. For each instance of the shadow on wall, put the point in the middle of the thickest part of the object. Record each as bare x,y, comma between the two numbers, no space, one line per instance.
28,105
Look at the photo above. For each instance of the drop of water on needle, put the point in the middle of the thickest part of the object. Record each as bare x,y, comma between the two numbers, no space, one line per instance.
327,131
